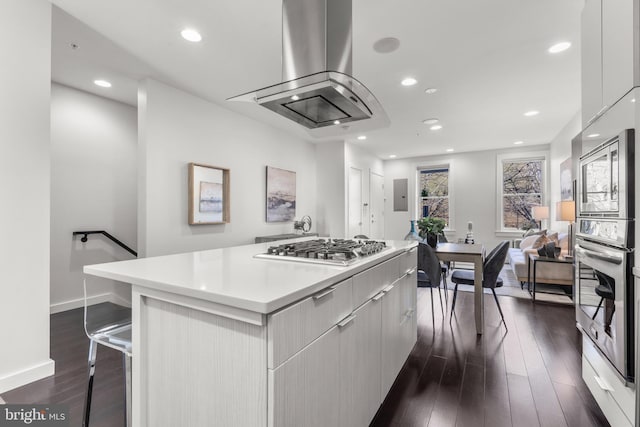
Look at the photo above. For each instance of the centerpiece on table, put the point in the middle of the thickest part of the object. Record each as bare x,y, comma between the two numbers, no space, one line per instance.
430,229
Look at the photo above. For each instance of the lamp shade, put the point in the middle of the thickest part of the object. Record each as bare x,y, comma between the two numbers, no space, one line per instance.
540,212
566,210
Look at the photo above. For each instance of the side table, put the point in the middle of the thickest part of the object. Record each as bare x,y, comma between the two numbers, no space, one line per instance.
534,259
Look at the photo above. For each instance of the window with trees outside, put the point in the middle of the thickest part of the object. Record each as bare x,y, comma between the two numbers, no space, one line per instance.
522,188
434,193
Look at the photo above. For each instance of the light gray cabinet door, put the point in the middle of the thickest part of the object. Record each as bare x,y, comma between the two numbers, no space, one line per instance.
391,342
302,391
360,388
617,50
591,60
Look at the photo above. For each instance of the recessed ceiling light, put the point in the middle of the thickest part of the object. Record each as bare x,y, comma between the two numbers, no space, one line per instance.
191,35
518,143
362,137
593,135
336,122
295,97
431,90
102,83
532,113
432,121
392,156
450,150
559,47
408,81
436,127
633,100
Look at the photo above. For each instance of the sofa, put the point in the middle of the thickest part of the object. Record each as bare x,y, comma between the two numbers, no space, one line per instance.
548,273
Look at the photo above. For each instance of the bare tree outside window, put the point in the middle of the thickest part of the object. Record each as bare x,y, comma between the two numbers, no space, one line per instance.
434,193
521,190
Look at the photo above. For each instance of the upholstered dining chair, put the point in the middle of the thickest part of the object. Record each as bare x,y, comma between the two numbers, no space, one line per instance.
606,291
429,272
491,267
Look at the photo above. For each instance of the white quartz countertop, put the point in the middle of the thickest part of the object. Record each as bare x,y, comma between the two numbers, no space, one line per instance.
232,276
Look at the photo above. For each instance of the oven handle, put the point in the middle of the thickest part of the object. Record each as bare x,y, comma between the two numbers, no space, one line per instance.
597,255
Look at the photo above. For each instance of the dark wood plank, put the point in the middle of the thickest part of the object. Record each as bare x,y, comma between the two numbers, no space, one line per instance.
523,411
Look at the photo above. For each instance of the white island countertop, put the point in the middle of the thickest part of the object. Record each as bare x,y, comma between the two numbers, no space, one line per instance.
234,277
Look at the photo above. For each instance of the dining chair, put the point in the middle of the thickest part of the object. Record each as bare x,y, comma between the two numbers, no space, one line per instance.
108,324
606,291
429,272
491,268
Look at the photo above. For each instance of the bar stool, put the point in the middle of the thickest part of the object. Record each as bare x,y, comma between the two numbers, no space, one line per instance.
108,324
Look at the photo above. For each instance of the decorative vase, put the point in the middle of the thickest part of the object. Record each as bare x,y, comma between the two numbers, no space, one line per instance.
412,234
432,240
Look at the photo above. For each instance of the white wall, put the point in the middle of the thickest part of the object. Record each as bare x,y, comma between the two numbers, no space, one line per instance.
331,188
560,150
25,75
473,181
177,128
93,187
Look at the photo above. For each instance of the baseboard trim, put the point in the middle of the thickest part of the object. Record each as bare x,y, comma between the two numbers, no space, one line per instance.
79,302
26,376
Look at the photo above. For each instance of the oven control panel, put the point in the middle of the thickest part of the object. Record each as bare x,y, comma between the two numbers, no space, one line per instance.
610,231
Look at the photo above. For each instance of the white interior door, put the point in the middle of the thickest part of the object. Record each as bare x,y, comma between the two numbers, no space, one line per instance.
376,202
355,203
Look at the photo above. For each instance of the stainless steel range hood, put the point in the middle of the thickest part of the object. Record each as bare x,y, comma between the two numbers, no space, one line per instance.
318,91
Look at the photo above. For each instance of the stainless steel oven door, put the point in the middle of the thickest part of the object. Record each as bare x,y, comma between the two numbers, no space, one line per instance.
604,302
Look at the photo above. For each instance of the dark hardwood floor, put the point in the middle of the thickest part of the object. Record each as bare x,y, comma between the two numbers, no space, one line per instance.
530,376
69,349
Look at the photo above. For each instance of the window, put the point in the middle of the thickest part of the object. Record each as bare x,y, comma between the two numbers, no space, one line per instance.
434,193
521,184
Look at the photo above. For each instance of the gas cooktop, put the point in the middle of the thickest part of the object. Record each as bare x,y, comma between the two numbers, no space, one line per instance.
325,251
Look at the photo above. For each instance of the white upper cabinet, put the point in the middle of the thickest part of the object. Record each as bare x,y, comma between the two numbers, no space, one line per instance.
617,49
591,59
608,43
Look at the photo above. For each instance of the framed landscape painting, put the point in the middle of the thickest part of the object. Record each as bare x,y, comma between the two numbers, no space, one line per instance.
281,195
208,194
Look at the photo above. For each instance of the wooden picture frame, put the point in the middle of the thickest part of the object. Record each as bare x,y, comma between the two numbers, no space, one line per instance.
209,195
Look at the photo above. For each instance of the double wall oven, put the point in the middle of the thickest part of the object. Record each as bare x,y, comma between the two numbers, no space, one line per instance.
604,250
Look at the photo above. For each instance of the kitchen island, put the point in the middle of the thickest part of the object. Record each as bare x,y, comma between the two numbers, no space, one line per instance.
223,338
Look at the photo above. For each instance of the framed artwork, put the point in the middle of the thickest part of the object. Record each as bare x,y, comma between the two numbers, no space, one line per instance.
566,180
209,199
281,195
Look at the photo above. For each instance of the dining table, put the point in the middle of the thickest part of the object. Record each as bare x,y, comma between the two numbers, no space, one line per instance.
472,253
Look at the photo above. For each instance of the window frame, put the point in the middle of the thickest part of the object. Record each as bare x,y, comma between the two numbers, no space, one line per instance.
418,205
515,157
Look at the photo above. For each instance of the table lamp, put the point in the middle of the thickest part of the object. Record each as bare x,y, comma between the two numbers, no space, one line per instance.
540,213
566,211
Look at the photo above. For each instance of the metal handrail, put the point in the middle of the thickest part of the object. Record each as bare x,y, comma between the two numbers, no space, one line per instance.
85,237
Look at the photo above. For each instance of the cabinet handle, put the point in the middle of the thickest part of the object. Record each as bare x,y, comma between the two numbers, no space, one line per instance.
323,294
378,296
346,321
411,271
602,383
388,288
412,250
409,312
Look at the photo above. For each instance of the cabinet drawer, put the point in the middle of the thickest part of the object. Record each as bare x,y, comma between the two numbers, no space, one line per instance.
292,328
370,282
623,396
605,399
408,261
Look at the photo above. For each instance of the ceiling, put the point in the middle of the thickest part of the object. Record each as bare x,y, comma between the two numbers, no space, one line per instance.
488,60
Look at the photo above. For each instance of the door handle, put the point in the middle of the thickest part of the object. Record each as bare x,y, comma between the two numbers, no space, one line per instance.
597,255
321,295
346,321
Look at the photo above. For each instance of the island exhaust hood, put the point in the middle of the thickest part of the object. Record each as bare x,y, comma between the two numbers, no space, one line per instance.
318,91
